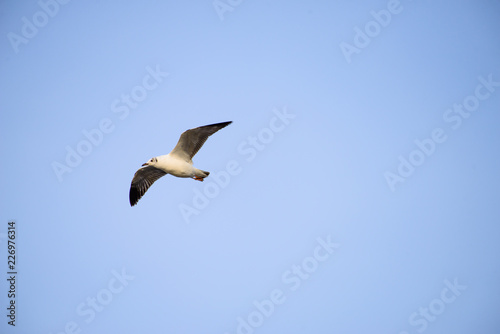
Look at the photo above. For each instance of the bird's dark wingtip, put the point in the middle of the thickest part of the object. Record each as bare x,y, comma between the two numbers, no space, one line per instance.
133,196
221,124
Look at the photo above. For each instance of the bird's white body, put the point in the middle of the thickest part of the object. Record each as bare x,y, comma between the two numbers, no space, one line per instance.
171,164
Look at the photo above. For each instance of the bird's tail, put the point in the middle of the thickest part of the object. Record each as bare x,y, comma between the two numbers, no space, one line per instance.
201,173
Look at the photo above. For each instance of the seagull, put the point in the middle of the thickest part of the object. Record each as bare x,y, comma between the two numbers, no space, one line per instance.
178,162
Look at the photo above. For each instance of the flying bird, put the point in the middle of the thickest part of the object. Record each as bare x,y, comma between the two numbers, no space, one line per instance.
178,162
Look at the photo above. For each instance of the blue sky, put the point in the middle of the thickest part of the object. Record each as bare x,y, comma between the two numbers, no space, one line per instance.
355,190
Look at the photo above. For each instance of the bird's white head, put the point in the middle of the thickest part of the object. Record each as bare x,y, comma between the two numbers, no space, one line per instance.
151,162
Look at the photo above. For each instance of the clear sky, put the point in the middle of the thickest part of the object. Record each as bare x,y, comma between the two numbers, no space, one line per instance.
356,190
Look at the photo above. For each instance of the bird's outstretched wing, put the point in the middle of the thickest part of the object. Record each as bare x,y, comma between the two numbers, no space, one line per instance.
143,179
192,140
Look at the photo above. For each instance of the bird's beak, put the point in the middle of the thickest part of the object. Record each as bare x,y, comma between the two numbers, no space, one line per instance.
145,164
